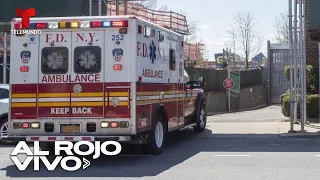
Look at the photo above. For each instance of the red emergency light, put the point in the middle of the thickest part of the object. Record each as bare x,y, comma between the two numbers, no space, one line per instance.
18,26
24,69
139,29
40,25
96,24
117,67
119,23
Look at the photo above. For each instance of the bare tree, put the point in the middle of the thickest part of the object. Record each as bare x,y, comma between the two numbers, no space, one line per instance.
247,36
233,37
163,8
193,29
150,4
281,27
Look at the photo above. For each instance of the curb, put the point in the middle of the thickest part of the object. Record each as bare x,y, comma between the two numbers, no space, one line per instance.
300,135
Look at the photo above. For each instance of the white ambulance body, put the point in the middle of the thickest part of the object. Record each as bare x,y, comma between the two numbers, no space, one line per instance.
100,78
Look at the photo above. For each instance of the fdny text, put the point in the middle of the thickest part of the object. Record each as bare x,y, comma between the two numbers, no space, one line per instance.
67,78
82,37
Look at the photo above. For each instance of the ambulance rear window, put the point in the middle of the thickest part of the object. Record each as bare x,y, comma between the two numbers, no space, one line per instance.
87,59
54,60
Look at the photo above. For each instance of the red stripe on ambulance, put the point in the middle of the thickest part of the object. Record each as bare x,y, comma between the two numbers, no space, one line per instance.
22,111
54,88
23,88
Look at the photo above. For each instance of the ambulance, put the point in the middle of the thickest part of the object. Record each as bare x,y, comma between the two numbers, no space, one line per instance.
102,78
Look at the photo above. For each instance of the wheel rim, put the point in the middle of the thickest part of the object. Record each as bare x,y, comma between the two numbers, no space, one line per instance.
4,130
202,118
159,134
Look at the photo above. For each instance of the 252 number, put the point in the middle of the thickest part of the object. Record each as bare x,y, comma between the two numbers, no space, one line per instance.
117,37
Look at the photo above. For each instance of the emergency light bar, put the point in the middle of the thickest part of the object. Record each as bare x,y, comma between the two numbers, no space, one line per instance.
73,24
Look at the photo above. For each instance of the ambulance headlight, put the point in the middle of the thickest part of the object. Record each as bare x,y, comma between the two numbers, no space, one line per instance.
104,124
35,125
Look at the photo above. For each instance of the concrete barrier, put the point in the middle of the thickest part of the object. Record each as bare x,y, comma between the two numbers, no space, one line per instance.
252,97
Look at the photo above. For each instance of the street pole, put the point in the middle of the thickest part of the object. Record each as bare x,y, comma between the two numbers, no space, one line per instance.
295,58
90,7
291,69
319,75
4,65
302,69
99,6
125,7
117,7
229,90
304,52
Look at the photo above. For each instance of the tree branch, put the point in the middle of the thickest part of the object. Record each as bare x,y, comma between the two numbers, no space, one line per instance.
281,27
245,34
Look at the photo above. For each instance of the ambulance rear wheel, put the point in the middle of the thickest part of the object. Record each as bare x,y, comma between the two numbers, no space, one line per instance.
47,146
157,137
201,126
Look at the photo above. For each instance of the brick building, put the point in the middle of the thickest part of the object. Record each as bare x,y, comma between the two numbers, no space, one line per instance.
312,46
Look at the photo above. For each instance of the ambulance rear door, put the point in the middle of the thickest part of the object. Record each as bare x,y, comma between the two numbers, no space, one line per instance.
87,89
54,74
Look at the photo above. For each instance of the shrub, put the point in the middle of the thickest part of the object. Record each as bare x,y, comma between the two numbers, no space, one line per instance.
312,105
312,76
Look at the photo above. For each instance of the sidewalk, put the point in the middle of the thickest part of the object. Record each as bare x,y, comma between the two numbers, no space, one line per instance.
259,129
264,122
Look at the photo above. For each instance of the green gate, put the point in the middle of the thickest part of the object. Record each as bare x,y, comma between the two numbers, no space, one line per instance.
235,91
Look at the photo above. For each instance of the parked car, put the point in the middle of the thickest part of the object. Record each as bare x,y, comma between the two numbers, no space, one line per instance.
4,109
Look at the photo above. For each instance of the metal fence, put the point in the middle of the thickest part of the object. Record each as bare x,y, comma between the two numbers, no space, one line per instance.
278,58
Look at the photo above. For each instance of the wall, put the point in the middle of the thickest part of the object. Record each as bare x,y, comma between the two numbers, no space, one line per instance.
214,78
250,98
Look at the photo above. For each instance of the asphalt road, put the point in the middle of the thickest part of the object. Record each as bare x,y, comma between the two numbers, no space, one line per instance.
197,156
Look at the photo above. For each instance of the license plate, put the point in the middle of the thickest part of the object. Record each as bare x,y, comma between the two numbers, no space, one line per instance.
70,128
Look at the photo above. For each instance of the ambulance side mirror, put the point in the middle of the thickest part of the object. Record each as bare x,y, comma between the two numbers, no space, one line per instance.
187,86
201,81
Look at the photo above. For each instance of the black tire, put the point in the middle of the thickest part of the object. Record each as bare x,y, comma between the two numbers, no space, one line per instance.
2,122
151,147
201,126
47,146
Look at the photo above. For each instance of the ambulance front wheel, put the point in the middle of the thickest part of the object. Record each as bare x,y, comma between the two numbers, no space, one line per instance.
201,126
157,137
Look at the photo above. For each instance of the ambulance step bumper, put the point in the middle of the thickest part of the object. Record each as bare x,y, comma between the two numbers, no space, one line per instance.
69,138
